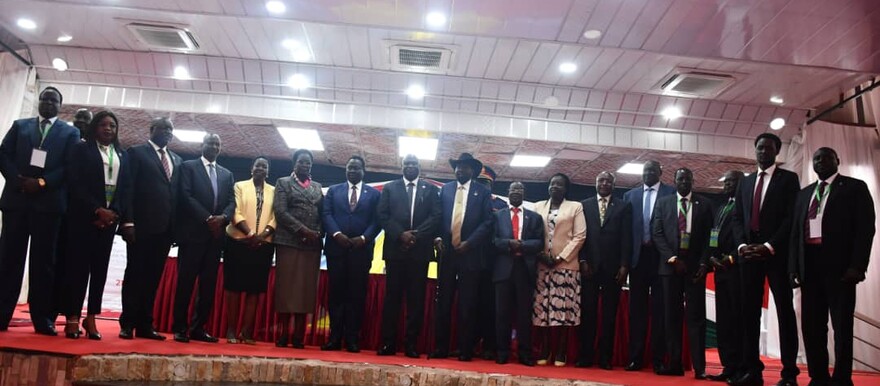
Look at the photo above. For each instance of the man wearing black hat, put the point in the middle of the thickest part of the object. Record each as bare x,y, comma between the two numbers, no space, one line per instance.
465,227
486,308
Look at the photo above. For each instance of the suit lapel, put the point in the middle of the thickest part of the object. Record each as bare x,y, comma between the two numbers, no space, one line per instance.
508,225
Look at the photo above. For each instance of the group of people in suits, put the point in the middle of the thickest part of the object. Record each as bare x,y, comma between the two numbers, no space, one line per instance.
545,270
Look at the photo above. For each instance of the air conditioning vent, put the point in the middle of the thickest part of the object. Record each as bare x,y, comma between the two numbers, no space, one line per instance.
419,58
694,83
435,60
165,38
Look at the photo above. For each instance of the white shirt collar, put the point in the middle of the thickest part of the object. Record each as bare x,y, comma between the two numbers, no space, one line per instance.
769,170
359,185
688,197
656,187
830,180
467,185
520,208
415,181
206,162
155,146
51,120
599,198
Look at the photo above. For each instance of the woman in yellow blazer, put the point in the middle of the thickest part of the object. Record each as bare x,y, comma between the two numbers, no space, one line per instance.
249,251
558,290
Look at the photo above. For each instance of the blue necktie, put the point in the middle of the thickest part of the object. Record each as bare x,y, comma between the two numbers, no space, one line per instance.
213,176
646,216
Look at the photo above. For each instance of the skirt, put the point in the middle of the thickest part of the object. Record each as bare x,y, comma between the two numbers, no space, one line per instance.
557,298
296,279
246,269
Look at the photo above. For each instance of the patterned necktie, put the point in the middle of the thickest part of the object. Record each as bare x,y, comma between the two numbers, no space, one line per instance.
682,216
213,176
813,212
410,192
353,201
646,216
515,222
457,216
165,164
755,223
603,206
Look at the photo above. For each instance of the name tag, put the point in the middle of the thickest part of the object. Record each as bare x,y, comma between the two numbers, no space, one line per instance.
816,227
38,158
713,238
684,240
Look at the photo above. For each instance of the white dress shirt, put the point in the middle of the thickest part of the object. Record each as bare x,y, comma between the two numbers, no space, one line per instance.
156,148
829,181
767,177
656,188
109,178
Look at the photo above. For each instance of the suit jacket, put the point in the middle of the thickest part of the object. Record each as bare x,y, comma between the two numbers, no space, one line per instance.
532,243
338,216
151,197
15,160
86,173
608,246
636,198
296,207
394,216
666,236
246,209
197,200
847,228
570,233
776,211
726,242
476,227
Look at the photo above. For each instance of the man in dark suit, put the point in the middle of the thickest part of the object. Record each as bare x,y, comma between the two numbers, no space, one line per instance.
485,329
32,160
81,120
682,226
465,227
762,227
728,282
409,211
831,238
349,217
146,226
604,262
519,237
207,202
643,277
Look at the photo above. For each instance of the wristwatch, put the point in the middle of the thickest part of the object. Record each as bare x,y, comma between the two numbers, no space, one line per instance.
42,182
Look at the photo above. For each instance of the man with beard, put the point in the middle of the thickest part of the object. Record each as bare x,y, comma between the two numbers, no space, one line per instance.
33,158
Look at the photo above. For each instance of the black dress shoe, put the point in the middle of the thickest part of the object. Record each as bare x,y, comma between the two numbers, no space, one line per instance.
126,333
632,366
281,341
386,350
411,352
502,359
488,355
700,375
439,354
202,336
527,361
583,363
723,377
46,330
465,357
671,371
297,343
149,334
352,348
332,346
787,382
747,379
181,337
605,366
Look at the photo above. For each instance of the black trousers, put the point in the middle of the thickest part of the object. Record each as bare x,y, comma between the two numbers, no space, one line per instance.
42,231
679,290
61,249
824,294
603,285
196,261
404,279
775,271
486,321
728,317
514,299
646,298
451,279
144,266
348,275
87,258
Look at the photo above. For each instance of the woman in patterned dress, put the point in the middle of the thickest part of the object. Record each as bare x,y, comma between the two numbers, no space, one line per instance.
558,290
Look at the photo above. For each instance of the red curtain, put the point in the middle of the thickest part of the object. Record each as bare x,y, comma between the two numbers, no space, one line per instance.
318,328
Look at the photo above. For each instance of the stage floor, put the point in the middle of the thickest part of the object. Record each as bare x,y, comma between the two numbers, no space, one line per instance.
25,340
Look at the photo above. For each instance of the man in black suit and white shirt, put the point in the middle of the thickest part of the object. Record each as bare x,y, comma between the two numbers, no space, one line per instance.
831,238
604,261
409,212
762,227
207,202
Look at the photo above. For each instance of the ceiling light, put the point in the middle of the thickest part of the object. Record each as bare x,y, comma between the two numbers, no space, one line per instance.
777,100
671,113
422,148
301,138
196,136
180,72
64,38
592,34
26,23
302,55
529,161
416,91
777,123
632,168
275,7
567,67
290,44
298,81
59,64
436,19
214,109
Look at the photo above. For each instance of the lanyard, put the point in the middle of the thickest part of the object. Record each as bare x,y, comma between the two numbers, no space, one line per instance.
111,151
819,197
725,211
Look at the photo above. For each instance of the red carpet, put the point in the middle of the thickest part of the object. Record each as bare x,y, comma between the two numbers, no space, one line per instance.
23,338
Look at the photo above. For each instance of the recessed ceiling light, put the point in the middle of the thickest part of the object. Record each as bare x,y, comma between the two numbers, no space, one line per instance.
551,101
529,161
415,92
632,168
64,38
275,7
298,81
777,100
777,124
302,55
190,135
301,138
436,19
671,113
567,67
592,34
180,72
291,44
26,23
423,148
213,109
59,64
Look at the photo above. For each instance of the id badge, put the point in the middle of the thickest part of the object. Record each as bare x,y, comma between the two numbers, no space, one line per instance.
816,227
38,158
684,240
713,238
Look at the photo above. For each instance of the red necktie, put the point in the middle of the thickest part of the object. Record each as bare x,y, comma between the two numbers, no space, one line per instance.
515,221
755,223
682,216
